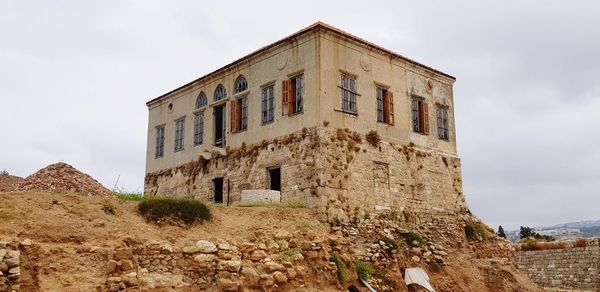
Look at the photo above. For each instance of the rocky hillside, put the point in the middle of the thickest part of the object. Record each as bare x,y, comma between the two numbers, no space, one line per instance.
68,243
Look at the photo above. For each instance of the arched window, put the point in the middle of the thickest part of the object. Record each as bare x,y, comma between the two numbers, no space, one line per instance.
240,84
220,92
201,100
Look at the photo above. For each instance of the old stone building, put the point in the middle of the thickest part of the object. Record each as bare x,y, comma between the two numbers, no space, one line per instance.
321,115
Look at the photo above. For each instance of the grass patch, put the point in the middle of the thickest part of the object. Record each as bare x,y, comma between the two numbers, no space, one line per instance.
476,230
342,270
186,210
304,226
414,239
127,196
294,204
287,255
109,209
365,270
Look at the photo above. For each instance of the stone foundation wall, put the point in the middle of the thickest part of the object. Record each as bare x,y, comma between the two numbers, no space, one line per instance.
569,268
338,172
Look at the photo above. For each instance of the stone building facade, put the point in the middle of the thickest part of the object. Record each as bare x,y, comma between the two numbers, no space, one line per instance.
321,115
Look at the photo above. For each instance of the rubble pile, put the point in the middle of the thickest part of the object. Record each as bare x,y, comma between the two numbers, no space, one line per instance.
62,176
9,182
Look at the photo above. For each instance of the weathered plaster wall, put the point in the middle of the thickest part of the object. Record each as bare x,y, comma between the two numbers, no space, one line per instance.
271,67
373,68
569,268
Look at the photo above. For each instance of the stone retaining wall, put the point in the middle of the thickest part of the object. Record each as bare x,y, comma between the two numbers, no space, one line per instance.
569,268
9,266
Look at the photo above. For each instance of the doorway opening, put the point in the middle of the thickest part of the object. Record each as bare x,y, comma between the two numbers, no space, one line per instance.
219,113
275,178
218,190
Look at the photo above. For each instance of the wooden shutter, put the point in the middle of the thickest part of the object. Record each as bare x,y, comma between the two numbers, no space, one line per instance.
425,118
285,96
390,102
234,116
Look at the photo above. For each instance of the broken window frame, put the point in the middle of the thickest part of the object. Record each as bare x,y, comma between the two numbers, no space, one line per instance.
385,105
239,114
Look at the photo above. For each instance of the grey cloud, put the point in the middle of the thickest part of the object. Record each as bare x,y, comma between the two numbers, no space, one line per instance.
75,76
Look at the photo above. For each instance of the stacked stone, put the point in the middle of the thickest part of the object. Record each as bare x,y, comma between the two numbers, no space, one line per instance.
267,263
428,253
569,268
9,266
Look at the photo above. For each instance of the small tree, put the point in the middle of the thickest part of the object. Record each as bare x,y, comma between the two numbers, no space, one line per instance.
501,232
526,232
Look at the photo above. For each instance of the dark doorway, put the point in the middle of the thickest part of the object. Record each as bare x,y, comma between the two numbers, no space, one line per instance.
275,178
218,190
219,113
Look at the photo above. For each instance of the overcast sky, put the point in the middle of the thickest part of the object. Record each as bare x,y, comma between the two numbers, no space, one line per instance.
75,76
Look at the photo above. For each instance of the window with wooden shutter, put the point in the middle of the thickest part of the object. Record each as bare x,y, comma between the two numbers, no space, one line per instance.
285,96
425,118
234,116
390,107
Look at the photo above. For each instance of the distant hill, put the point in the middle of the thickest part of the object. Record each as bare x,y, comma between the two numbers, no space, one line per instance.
578,224
589,228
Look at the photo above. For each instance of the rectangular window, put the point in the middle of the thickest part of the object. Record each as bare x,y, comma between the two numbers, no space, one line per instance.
239,114
442,123
349,94
198,128
293,95
385,106
179,130
420,116
268,105
160,142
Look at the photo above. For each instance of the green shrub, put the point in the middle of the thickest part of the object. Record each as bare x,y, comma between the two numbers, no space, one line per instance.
476,230
109,209
342,270
365,270
186,210
130,196
414,239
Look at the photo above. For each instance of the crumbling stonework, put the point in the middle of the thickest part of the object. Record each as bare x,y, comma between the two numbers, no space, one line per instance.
271,263
335,171
569,268
10,262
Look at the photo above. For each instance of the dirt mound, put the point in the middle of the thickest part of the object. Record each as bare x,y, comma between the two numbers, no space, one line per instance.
62,176
9,182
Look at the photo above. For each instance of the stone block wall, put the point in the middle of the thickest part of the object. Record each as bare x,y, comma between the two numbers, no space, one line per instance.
277,262
569,268
336,171
9,266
